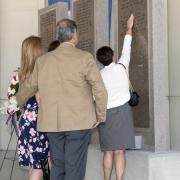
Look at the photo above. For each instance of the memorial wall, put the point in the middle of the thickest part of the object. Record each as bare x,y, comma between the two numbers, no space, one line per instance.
139,72
84,14
149,46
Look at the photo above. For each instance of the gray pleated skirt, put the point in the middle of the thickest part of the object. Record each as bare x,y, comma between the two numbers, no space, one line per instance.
117,133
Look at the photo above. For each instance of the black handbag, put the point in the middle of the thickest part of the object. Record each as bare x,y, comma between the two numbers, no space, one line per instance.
134,97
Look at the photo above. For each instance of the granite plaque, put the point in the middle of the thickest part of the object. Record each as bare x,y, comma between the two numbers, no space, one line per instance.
83,14
139,55
48,18
48,28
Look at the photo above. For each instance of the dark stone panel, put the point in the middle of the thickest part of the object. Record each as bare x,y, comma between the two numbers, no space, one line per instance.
83,13
139,56
48,28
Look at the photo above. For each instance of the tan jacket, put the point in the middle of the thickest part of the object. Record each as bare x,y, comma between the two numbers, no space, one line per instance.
67,79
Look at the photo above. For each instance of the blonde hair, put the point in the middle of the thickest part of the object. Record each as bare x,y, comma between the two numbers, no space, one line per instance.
30,51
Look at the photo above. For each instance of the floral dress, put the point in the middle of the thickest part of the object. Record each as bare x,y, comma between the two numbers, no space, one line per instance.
33,146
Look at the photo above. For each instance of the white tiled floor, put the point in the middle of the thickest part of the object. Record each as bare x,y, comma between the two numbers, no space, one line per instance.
5,173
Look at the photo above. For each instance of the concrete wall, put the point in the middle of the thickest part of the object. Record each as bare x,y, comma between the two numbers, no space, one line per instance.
174,73
18,20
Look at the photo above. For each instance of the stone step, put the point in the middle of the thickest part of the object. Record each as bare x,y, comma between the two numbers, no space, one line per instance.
137,165
141,165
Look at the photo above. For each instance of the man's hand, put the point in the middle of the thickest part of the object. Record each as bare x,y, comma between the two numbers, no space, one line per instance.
95,125
130,23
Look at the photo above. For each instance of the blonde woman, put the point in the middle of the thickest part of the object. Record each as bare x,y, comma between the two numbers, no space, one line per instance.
33,146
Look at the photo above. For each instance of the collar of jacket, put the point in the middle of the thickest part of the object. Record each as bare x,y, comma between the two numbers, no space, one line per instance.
67,44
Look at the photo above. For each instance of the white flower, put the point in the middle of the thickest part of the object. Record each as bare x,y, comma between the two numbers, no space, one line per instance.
11,91
4,107
12,108
13,100
13,105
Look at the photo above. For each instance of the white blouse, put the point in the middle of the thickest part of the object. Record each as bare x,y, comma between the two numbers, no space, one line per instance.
115,77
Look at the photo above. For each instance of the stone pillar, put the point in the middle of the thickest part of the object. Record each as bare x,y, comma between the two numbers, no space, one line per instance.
174,73
156,130
159,73
91,17
101,23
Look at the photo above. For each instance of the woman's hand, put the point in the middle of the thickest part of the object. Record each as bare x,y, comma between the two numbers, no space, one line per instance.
130,23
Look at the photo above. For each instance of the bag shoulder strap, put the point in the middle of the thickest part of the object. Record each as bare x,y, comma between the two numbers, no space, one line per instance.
130,84
123,66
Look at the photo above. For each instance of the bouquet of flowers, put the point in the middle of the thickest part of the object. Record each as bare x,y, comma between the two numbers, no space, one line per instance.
11,106
12,91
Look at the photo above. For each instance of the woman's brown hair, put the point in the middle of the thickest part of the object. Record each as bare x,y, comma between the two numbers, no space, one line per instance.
30,51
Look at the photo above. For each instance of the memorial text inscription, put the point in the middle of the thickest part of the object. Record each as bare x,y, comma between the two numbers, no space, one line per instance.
48,28
84,17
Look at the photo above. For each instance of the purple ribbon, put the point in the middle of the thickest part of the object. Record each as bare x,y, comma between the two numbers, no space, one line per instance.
12,120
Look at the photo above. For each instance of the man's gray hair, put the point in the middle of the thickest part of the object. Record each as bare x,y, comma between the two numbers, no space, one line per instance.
66,28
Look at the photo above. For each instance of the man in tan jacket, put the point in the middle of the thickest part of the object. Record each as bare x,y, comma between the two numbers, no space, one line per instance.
73,100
